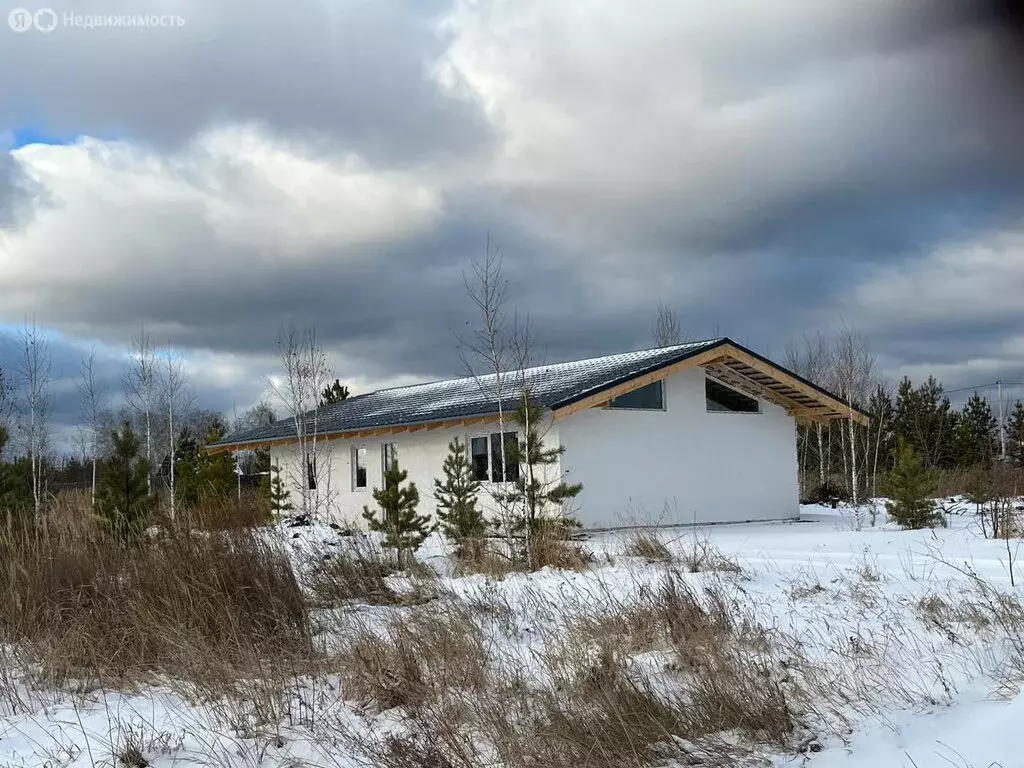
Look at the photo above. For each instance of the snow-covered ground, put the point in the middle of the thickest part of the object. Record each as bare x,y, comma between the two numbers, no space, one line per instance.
912,696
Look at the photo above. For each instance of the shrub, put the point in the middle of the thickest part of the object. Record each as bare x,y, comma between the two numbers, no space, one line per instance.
910,488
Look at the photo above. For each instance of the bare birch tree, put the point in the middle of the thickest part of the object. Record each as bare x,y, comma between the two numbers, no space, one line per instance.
178,398
141,389
667,332
35,373
854,366
94,401
485,351
306,371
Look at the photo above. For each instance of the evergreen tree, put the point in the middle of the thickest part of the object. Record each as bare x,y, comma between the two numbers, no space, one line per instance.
910,488
1015,436
538,497
334,393
975,434
201,474
461,521
924,419
278,494
404,530
122,495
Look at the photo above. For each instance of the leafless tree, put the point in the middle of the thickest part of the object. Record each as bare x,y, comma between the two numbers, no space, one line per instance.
35,373
854,366
141,390
667,332
94,401
306,371
178,398
485,351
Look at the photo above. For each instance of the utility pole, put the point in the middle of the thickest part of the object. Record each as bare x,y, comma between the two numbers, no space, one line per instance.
1002,430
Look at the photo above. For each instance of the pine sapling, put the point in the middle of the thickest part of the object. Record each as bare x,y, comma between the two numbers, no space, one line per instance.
404,530
910,489
123,495
279,495
537,495
461,520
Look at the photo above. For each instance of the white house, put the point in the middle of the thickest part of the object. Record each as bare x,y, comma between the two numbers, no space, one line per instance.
701,432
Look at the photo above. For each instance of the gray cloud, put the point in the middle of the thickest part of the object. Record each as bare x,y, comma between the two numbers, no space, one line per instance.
352,72
767,174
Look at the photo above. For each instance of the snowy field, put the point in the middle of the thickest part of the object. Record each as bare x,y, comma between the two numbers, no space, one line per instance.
884,681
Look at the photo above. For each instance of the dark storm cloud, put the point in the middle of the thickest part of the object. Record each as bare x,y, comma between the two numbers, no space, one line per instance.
354,72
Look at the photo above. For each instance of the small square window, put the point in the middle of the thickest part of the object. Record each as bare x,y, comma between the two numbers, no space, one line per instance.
358,468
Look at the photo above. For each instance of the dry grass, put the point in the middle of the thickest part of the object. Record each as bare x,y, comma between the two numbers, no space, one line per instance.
353,574
646,545
586,700
699,554
84,606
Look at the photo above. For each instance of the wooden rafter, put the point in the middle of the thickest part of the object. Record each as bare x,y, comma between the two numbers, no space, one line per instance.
795,408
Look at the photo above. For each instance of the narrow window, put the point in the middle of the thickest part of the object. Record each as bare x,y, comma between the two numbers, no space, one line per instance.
723,399
358,468
497,458
311,471
504,465
478,453
511,457
389,457
649,398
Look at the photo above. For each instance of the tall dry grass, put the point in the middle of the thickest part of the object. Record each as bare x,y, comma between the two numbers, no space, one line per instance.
80,605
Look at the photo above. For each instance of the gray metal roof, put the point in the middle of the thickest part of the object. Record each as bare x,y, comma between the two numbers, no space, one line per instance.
552,386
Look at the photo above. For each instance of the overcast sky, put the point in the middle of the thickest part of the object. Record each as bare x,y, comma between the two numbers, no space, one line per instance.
768,169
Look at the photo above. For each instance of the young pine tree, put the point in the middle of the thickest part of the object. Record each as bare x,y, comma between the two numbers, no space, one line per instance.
461,521
536,495
122,495
404,530
277,493
333,393
909,487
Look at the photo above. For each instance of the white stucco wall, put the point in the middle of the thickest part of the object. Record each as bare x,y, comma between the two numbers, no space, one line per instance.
667,467
682,464
419,453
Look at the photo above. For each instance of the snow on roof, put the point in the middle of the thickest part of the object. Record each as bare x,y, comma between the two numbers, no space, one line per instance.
552,386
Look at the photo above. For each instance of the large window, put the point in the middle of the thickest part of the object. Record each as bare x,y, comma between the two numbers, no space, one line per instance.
649,398
490,462
358,468
723,399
